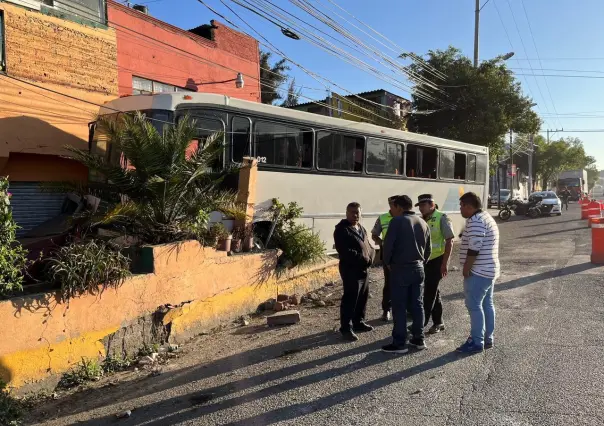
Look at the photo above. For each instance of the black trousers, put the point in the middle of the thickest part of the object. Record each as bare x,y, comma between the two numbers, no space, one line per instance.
432,303
354,300
386,302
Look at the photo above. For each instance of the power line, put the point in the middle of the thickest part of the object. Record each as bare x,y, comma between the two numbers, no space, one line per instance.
507,34
538,56
563,75
526,54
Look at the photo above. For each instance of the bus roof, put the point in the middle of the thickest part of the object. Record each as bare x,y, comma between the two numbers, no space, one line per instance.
180,100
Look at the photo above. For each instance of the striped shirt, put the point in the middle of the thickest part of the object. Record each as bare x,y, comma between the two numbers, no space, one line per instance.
481,235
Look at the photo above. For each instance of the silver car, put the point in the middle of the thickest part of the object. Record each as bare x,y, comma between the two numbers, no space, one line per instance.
503,195
550,202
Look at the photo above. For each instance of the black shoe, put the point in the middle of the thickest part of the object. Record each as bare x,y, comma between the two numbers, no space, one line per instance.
436,328
386,316
488,344
349,336
394,349
362,327
418,343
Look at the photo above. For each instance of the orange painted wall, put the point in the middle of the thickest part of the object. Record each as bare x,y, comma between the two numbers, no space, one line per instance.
144,50
42,335
59,55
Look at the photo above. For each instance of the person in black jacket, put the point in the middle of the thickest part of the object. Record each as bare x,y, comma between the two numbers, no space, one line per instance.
356,255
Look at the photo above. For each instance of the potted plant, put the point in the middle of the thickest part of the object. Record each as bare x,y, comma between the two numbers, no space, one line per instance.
236,242
220,237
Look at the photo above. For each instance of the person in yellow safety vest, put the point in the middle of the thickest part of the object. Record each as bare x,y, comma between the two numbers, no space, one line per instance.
442,234
378,233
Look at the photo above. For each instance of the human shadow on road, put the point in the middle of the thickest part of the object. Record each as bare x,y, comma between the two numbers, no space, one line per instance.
520,282
195,405
97,398
553,232
540,224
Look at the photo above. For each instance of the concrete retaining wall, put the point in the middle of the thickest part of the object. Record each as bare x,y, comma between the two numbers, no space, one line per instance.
42,336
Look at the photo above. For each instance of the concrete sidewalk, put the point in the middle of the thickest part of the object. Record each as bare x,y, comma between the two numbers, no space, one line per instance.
546,367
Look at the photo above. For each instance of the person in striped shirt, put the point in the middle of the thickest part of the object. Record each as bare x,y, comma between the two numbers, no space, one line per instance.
479,257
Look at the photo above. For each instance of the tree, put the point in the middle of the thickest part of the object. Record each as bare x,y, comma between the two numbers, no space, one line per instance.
557,156
593,175
293,95
167,192
271,78
484,102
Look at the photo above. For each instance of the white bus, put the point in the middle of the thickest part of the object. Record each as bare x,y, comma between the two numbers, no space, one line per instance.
321,162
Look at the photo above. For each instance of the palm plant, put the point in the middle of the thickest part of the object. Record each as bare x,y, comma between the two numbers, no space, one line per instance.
159,191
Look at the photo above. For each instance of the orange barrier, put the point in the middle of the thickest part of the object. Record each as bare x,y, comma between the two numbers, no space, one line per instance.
597,241
593,212
584,203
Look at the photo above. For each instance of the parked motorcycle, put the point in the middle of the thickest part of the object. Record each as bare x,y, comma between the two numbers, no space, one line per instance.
531,209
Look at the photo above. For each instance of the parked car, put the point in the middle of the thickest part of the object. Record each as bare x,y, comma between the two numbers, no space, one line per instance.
503,195
550,202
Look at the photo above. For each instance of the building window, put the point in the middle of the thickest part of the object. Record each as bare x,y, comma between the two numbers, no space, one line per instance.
143,86
421,161
340,152
283,145
2,57
385,157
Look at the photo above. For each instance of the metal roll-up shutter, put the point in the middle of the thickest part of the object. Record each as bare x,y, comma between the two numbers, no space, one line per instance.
32,207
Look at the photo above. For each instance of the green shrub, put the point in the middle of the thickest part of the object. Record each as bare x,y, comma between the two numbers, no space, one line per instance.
11,409
299,244
113,364
87,370
13,258
90,266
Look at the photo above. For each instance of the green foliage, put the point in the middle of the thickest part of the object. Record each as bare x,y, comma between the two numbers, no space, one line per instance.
114,364
271,77
87,370
218,231
90,266
557,156
166,192
593,175
13,258
293,95
148,349
11,408
299,244
487,101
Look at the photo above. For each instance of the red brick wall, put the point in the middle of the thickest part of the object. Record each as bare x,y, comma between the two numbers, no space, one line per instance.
144,50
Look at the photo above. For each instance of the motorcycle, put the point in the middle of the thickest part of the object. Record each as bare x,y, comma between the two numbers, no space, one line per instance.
531,209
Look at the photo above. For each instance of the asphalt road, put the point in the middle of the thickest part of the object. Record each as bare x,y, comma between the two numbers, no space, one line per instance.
546,368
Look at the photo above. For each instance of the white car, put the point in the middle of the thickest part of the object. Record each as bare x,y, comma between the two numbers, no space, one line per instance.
550,202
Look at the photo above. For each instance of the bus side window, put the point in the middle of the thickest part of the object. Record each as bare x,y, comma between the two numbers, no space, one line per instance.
482,168
421,161
460,166
283,145
385,157
240,139
336,151
471,170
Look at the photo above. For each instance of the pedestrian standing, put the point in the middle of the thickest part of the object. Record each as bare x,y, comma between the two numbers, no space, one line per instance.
565,194
356,255
441,237
378,233
406,249
479,256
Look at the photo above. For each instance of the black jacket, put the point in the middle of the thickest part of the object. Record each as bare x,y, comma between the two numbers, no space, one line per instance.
353,246
408,241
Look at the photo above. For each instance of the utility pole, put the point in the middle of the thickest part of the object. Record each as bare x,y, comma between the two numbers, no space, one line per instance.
553,131
511,166
476,27
530,163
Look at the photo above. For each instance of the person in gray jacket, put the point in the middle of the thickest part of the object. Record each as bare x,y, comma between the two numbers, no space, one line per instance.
407,248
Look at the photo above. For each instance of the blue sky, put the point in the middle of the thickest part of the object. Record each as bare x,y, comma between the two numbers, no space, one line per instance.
567,36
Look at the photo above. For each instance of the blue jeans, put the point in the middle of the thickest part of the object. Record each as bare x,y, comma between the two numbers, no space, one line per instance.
407,289
479,301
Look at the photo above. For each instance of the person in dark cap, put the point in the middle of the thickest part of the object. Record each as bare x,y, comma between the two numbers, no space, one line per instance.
378,233
406,249
441,236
